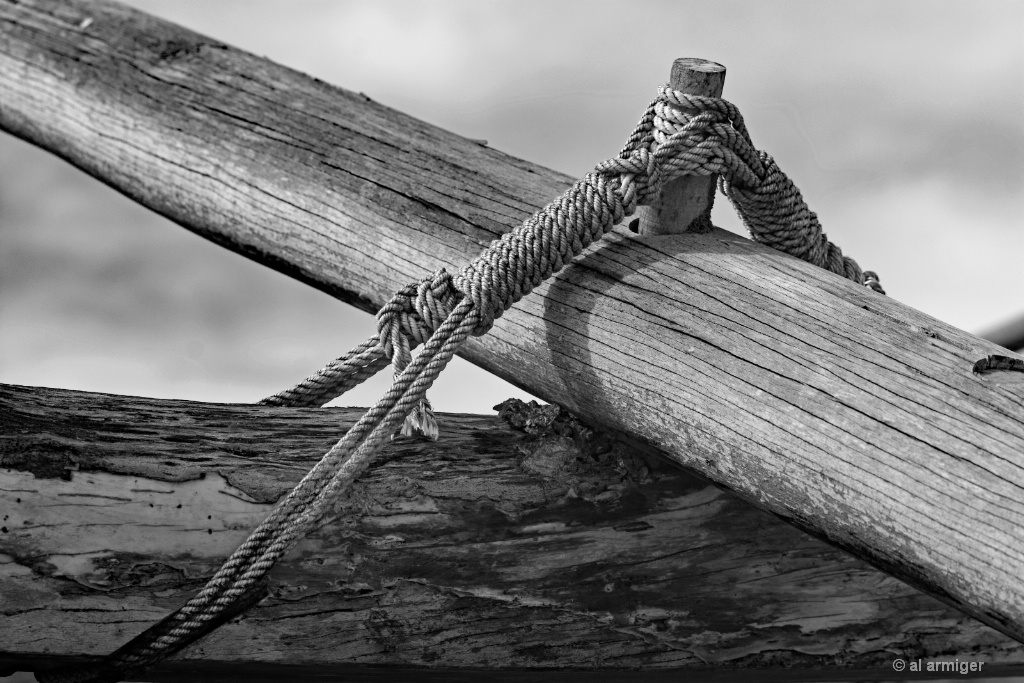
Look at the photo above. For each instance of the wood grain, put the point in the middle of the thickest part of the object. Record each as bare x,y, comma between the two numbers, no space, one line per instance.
839,410
549,545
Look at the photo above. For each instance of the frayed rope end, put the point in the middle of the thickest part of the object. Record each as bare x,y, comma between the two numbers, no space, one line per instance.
421,422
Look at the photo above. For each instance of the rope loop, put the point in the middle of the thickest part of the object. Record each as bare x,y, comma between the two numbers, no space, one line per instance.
413,314
727,111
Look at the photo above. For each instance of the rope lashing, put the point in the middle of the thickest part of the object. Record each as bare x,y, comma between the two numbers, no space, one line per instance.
666,141
442,310
768,202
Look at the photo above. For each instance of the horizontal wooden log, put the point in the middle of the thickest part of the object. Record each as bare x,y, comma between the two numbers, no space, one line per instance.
842,411
494,548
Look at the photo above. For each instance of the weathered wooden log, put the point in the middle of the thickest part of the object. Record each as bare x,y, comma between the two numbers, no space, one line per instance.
550,545
842,411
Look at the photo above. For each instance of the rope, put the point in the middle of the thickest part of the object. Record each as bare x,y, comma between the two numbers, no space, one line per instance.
442,310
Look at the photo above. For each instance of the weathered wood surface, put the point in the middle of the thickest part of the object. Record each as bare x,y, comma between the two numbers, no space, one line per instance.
840,410
492,548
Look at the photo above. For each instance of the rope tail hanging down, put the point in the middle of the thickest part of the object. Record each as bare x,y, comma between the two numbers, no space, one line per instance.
441,311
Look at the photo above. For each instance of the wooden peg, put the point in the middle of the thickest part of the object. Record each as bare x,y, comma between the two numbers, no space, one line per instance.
685,204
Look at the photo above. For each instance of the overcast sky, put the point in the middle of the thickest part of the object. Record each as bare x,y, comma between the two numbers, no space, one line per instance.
902,123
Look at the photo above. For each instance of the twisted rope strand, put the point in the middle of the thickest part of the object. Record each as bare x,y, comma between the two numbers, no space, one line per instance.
336,378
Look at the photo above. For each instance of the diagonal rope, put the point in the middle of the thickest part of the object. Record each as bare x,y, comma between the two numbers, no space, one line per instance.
294,516
347,372
442,310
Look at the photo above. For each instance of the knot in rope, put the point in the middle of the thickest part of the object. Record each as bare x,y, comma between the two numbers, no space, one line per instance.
413,314
639,174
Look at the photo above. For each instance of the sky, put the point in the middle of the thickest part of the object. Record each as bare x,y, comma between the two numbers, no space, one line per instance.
901,121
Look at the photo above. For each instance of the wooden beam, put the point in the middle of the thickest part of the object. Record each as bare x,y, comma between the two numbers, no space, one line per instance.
494,549
842,411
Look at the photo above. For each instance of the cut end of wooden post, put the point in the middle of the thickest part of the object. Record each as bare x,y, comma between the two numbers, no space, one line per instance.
697,76
685,204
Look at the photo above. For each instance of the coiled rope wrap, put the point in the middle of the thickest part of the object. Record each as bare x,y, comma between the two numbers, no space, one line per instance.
442,310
